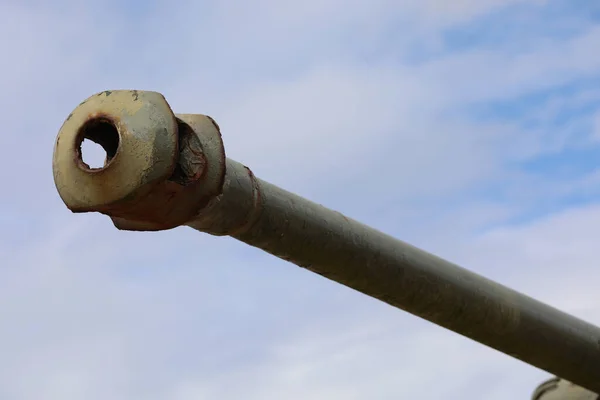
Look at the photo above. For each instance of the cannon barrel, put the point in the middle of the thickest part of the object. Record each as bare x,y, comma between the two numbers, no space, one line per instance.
165,170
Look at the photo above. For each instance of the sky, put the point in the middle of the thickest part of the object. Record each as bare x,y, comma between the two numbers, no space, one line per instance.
468,128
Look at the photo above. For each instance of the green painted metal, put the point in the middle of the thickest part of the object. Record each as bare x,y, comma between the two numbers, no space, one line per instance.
166,170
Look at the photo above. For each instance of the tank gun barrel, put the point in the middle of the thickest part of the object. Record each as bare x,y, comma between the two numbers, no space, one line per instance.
165,170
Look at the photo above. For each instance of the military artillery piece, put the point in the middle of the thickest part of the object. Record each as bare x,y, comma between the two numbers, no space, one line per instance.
164,170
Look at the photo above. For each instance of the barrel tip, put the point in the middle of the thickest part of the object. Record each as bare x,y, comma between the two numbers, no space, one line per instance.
138,132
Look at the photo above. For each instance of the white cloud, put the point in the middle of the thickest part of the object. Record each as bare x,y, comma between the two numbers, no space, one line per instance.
322,98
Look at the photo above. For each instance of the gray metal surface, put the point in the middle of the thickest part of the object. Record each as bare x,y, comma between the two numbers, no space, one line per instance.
203,189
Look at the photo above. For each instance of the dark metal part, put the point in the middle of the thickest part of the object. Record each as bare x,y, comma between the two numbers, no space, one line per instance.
171,170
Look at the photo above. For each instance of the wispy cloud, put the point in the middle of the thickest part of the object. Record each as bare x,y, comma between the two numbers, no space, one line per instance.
469,128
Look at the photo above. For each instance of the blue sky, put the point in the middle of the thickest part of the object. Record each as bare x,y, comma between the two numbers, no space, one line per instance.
470,129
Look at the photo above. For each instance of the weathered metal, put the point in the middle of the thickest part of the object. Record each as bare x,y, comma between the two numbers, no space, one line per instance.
170,169
560,389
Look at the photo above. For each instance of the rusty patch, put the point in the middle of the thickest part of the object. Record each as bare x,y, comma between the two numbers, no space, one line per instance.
190,187
191,162
221,154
